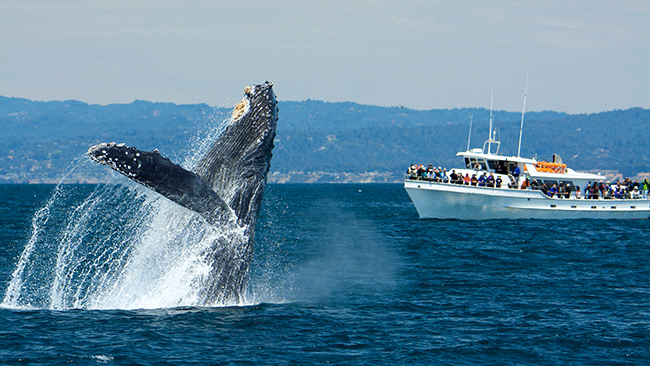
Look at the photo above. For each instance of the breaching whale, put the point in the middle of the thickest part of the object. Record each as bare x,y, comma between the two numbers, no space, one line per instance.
225,187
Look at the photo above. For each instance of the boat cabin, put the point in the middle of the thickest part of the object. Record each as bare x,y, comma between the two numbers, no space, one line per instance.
549,173
498,164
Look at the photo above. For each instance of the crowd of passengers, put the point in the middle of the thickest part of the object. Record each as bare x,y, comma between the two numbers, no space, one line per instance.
625,189
440,175
595,190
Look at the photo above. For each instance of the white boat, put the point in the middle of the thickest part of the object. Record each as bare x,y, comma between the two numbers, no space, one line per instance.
443,199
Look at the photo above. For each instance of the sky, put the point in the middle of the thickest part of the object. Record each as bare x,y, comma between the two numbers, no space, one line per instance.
581,56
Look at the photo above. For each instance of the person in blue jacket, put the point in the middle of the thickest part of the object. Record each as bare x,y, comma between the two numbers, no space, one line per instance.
481,180
516,173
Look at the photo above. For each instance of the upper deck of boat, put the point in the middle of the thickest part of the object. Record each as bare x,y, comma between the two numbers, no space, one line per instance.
502,164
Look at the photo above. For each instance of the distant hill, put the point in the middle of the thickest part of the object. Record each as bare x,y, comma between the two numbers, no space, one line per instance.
313,115
318,141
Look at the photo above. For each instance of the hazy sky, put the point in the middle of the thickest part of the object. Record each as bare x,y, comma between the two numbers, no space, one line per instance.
583,56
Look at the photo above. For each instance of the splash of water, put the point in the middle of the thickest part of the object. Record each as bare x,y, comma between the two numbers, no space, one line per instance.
118,246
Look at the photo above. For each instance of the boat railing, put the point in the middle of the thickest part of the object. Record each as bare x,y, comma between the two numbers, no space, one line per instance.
572,195
448,180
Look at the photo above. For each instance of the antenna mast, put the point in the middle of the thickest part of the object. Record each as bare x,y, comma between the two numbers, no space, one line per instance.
522,115
471,118
490,132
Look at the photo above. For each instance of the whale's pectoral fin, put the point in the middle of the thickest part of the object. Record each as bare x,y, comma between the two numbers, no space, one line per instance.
152,170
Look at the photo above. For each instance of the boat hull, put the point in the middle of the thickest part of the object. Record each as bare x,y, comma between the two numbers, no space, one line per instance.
452,201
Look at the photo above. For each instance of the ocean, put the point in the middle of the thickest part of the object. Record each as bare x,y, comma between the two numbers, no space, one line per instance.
341,274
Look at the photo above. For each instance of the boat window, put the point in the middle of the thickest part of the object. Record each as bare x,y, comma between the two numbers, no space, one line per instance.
468,164
482,163
499,167
511,167
550,182
474,161
492,164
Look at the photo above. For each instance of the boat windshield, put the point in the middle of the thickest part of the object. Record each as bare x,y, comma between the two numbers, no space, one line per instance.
470,163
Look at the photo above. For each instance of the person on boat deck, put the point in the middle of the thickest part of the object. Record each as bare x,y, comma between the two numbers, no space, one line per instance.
431,174
412,172
646,187
563,191
602,188
588,191
543,188
608,193
459,179
567,191
474,180
501,168
442,175
525,184
516,173
467,180
513,182
618,193
422,172
552,191
481,180
499,181
453,176
489,181
593,191
628,185
534,185
577,192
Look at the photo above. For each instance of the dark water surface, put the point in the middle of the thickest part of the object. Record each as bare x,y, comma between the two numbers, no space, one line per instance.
348,274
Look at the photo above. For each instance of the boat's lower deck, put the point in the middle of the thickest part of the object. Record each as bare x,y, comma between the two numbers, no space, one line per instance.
454,201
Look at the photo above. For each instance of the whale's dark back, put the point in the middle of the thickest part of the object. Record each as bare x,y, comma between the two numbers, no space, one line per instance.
237,164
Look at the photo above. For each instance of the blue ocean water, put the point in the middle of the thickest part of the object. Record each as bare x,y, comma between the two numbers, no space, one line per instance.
342,274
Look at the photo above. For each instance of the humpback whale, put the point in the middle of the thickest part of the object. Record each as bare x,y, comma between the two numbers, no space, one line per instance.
225,187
